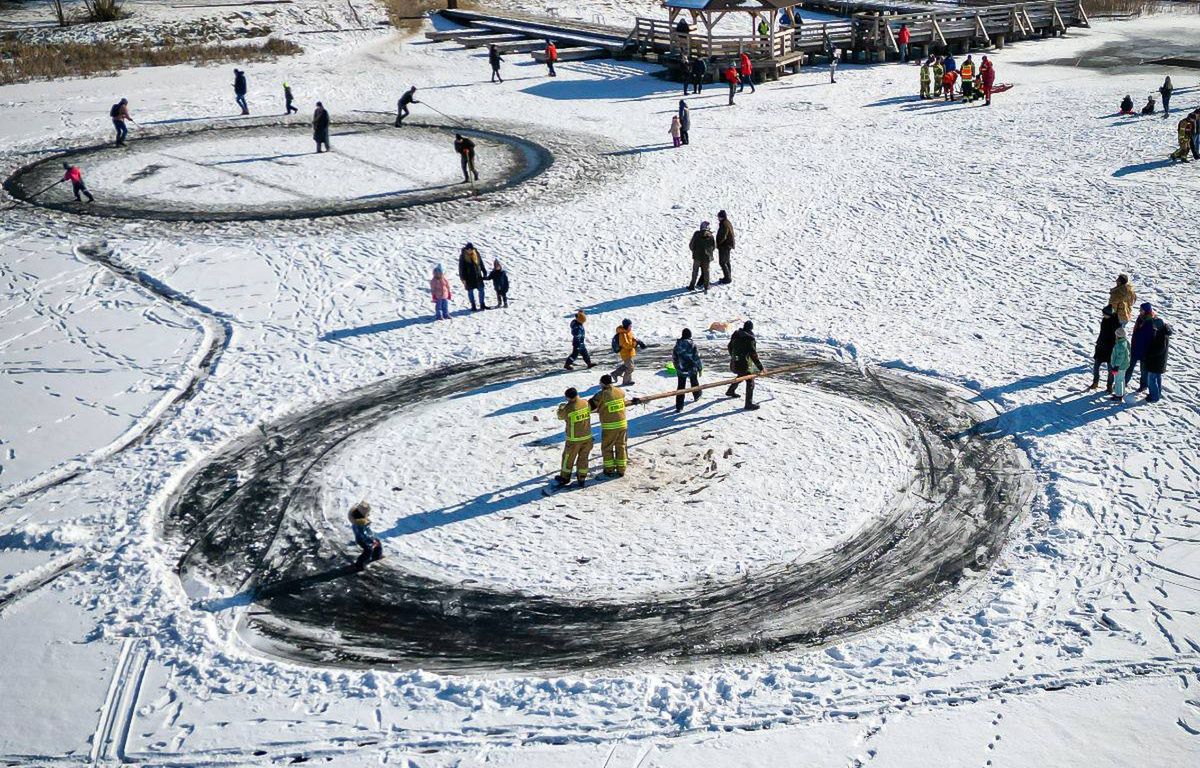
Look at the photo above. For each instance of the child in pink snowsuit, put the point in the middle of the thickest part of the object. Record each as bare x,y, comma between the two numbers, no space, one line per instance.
439,288
676,131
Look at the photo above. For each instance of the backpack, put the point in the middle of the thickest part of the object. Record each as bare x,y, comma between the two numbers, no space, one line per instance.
115,109
616,343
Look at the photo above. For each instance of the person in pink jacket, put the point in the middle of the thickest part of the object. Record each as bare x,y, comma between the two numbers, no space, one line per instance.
439,288
76,178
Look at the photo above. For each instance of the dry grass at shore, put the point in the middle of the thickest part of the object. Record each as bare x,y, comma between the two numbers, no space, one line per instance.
1136,7
407,14
22,62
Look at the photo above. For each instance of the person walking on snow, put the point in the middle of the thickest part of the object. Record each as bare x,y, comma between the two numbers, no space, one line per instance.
746,72
926,77
987,75
626,345
119,114
239,90
1155,362
743,361
578,342
688,367
609,402
76,178
1165,90
578,444
494,60
466,156
407,98
551,57
699,73
473,274
702,246
499,280
1102,352
364,537
902,38
685,121
834,55
731,77
1139,344
725,244
439,289
320,125
1118,362
676,131
288,106
1122,297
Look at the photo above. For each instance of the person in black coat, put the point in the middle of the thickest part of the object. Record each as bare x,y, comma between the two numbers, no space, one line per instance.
1155,362
699,72
1104,347
743,361
494,59
239,90
321,127
1139,342
499,280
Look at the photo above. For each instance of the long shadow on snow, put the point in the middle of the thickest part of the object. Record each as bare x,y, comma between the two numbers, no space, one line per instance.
637,300
1153,165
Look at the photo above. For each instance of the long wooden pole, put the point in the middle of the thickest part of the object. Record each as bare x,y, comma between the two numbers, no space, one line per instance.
715,384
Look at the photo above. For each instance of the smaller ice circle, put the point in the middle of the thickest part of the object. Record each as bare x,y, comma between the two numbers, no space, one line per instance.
271,170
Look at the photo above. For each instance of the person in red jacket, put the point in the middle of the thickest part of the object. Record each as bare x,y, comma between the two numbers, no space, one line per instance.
746,68
731,77
76,178
902,38
551,57
987,74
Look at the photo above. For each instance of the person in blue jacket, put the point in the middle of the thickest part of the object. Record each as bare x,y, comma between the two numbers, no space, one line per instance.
688,366
1139,342
578,342
948,64
1154,364
499,280
364,537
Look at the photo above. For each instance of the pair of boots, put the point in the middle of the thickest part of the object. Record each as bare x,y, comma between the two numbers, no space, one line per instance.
563,482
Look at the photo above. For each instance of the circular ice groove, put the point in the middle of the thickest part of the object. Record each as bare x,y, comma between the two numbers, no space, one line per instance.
714,494
251,517
262,171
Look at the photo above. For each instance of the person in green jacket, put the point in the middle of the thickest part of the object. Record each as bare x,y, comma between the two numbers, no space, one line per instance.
1119,362
926,78
939,71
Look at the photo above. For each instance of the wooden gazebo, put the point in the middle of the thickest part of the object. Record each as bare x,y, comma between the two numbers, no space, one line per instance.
764,31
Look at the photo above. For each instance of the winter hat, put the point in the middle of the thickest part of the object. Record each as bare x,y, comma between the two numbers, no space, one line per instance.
606,380
704,225
748,326
67,166
1147,308
1120,334
1107,310
496,264
469,245
627,323
1122,279
720,214
571,393
438,270
687,333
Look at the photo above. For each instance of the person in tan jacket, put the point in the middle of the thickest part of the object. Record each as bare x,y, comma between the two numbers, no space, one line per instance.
609,402
627,346
1122,297
578,444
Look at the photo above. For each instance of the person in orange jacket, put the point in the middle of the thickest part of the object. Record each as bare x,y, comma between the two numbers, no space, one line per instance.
731,77
76,178
626,345
987,75
551,57
746,70
948,84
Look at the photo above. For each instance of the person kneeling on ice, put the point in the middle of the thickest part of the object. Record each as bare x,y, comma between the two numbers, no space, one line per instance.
609,402
439,288
76,177
688,367
578,445
1127,105
1118,362
743,361
1149,108
364,537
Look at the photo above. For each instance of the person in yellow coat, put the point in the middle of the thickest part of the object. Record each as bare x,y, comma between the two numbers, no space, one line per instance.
578,416
1122,297
1187,127
609,402
626,345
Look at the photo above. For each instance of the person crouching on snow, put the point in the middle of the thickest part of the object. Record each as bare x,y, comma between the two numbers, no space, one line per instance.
364,537
439,289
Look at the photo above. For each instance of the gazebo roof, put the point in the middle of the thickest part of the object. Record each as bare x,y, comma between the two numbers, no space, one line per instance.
748,6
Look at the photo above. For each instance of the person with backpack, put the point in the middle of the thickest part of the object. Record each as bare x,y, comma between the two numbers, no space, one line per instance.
685,121
239,90
577,446
625,344
119,114
745,72
1102,352
364,537
77,186
494,59
472,274
702,246
406,98
499,279
439,289
725,245
578,342
551,57
609,402
743,361
688,367
288,106
466,156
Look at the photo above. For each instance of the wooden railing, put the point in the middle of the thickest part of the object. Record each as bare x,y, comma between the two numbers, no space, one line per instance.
661,35
977,24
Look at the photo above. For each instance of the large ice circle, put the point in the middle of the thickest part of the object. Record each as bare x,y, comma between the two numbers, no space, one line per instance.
711,493
235,171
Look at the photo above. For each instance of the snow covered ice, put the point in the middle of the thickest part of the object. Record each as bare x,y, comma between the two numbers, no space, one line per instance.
951,243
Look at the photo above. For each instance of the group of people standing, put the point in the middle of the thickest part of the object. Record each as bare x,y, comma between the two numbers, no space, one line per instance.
940,73
474,276
1120,351
704,244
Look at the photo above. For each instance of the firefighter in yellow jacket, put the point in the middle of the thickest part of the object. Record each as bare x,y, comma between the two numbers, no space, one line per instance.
609,402
578,416
967,73
1187,126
